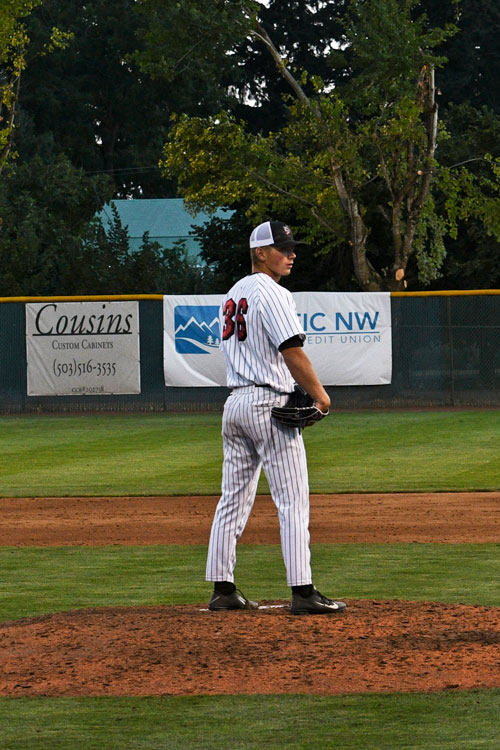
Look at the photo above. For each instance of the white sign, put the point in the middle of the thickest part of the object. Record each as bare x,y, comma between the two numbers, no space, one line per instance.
82,348
348,338
191,338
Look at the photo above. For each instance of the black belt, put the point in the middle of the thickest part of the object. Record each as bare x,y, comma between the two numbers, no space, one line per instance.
257,385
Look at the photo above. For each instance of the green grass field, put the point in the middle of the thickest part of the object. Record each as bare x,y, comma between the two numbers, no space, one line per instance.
181,454
166,454
39,581
448,721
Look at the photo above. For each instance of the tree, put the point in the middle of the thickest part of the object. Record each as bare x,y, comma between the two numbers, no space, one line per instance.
47,208
88,101
309,40
473,248
310,36
470,109
384,127
94,104
51,242
249,88
471,74
83,111
151,269
13,43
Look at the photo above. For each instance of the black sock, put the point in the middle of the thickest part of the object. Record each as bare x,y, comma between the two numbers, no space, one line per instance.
224,587
304,591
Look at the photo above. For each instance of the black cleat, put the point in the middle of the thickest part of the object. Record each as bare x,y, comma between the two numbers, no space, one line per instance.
224,602
315,604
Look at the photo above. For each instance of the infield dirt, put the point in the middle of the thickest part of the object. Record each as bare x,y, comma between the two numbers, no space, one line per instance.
417,517
375,646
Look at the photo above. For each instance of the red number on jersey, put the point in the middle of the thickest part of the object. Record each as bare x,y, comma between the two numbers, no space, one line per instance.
228,311
241,324
234,319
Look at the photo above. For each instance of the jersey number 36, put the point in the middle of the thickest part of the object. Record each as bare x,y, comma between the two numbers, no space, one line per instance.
234,319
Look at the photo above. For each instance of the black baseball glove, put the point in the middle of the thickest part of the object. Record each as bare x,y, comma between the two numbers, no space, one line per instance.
299,411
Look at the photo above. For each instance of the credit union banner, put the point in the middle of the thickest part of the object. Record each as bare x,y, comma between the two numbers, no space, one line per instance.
82,348
348,338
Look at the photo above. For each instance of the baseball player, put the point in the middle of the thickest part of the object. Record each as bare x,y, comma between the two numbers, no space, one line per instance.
262,341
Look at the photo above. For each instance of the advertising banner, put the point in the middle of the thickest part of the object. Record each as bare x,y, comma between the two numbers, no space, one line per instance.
348,338
191,338
82,348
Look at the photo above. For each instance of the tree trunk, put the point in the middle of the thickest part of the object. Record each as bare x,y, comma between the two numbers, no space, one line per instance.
369,280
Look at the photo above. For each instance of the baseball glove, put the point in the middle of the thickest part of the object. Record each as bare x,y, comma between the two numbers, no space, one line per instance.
299,411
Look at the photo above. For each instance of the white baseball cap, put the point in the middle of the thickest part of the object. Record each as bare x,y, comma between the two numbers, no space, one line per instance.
273,233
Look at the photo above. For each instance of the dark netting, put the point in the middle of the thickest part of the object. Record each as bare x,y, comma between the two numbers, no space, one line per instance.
447,349
446,352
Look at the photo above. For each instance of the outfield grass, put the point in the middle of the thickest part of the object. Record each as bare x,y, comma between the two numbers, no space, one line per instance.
444,721
163,454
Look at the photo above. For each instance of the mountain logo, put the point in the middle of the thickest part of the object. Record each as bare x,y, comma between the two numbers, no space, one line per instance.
196,329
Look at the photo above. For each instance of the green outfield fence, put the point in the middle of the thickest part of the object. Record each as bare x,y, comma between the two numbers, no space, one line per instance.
446,352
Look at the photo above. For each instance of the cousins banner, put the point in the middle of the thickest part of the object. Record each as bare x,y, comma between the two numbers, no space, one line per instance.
348,338
82,348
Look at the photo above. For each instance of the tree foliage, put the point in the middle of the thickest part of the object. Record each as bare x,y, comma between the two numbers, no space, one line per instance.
13,43
191,37
356,163
321,112
52,243
46,209
91,102
471,73
90,126
472,249
383,126
308,35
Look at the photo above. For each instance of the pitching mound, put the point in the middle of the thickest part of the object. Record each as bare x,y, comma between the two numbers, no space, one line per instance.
375,646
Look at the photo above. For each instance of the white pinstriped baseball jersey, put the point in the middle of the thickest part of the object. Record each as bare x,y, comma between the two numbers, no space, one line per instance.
257,316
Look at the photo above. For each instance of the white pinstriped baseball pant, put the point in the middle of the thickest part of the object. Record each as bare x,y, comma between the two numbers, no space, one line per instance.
252,440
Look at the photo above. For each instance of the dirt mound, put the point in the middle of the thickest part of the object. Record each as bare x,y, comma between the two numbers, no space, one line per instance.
375,646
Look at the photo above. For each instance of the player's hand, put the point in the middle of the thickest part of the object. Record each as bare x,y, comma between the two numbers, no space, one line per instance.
322,405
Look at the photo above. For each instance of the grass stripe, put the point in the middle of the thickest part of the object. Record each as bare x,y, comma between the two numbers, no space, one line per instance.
151,454
446,721
40,581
